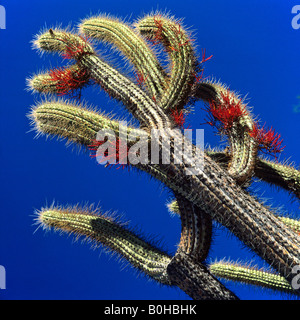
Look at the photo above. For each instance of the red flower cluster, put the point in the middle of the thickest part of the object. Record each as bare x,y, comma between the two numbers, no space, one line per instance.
223,115
69,80
75,49
228,110
267,139
178,117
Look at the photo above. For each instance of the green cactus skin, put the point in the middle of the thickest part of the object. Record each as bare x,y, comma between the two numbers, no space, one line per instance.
178,44
282,175
196,230
76,123
243,148
250,275
132,45
294,224
212,194
104,230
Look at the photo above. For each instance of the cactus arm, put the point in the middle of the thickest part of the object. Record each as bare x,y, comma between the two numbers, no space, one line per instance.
112,81
196,278
142,107
278,174
144,256
181,52
281,175
294,224
230,114
132,45
60,81
196,230
76,123
104,230
250,275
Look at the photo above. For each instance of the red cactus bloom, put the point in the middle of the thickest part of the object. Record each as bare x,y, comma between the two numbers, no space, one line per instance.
68,80
178,117
225,113
74,50
267,139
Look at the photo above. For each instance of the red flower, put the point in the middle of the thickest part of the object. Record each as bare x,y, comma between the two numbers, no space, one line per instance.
178,117
68,80
225,112
267,139
75,49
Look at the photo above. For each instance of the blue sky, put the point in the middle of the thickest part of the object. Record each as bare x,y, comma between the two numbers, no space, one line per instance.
255,51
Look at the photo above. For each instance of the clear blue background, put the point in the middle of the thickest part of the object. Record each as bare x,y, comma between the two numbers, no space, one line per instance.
255,51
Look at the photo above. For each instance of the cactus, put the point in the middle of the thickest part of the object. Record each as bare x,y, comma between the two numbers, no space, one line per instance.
159,98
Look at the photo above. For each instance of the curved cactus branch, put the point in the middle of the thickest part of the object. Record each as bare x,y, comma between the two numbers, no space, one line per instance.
102,229
230,115
278,174
74,122
178,44
196,230
133,46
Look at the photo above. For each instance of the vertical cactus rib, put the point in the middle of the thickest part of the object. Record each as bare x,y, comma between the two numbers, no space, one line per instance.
196,230
177,43
194,279
104,230
132,45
